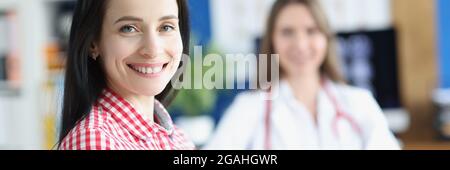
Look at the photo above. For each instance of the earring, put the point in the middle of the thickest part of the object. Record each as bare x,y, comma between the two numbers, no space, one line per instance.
94,56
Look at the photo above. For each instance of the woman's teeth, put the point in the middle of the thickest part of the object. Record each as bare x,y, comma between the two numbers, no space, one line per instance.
148,70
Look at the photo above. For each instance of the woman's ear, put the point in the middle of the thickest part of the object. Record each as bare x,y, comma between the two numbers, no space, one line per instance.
94,51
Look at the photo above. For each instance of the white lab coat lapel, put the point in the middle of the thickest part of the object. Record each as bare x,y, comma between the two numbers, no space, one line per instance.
348,137
292,123
326,114
285,128
293,126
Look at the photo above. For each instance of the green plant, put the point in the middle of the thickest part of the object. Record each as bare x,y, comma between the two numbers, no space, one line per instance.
195,102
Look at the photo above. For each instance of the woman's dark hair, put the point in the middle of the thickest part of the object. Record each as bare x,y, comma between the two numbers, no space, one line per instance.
85,77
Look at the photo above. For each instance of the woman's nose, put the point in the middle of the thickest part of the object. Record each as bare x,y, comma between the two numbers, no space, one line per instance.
151,46
301,42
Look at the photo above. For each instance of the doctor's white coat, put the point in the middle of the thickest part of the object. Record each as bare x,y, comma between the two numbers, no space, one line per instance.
292,126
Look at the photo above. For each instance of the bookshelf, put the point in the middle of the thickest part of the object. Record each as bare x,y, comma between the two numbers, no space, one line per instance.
28,104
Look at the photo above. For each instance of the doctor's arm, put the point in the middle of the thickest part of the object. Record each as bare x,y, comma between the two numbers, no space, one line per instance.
379,135
233,128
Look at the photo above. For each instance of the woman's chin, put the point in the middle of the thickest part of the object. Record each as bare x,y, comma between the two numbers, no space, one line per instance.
150,90
303,71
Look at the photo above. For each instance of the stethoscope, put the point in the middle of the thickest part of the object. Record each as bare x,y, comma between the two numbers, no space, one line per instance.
340,116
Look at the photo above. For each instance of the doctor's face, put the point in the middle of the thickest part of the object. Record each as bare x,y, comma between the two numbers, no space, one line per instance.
302,46
140,46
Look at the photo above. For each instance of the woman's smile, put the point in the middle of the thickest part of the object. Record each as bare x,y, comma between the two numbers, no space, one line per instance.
148,70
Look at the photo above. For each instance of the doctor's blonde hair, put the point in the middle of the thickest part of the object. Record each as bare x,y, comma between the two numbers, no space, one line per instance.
330,67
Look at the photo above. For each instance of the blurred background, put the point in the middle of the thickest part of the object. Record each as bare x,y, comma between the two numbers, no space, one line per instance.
398,49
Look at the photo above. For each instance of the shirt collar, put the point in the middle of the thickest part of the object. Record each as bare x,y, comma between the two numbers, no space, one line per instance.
288,94
125,114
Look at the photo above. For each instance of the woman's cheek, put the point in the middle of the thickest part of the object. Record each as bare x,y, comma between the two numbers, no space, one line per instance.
175,52
125,46
118,47
113,58
282,49
321,48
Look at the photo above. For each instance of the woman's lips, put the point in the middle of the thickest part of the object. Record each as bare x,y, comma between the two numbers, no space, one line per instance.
148,69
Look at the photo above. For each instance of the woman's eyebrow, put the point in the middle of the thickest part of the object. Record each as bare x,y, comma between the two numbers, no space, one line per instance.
132,18
168,17
129,18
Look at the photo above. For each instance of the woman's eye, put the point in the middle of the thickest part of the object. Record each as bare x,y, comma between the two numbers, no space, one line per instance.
287,32
128,29
167,28
312,31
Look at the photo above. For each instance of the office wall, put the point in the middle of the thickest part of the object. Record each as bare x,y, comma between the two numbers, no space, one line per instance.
200,21
236,24
444,42
357,15
415,22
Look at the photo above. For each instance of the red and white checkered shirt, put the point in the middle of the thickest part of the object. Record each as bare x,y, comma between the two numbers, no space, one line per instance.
113,124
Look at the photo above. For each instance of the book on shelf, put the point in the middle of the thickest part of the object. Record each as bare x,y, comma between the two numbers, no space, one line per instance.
9,53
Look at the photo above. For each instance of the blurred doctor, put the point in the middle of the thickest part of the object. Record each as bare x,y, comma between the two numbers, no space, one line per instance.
315,108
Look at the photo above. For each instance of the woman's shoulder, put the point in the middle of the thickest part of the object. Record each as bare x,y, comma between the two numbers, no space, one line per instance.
97,119
88,134
360,101
87,139
362,104
354,93
370,116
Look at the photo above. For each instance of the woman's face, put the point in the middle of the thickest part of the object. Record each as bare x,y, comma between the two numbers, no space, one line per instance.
299,42
140,46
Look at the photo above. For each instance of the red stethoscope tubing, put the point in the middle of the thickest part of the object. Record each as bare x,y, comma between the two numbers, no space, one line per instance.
340,114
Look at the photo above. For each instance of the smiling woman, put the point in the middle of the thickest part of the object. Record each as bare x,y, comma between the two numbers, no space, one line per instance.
122,55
